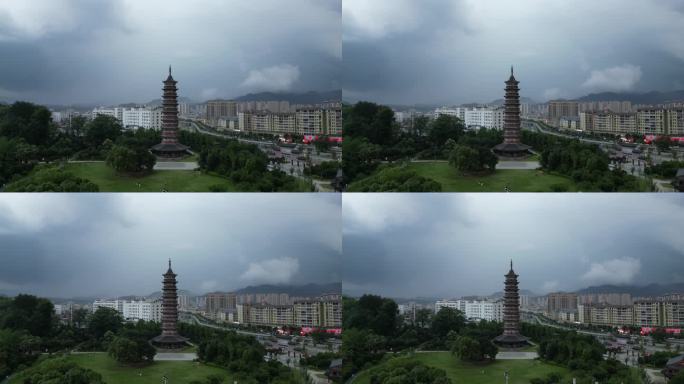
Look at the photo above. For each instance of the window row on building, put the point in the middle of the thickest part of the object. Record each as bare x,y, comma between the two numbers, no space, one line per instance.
474,309
324,312
133,310
482,117
643,313
314,121
651,121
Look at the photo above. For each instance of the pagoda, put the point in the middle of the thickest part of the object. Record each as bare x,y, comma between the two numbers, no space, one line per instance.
169,339
169,146
511,337
511,146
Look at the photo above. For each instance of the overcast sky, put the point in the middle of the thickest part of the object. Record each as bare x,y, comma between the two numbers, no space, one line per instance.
118,244
116,51
451,245
459,51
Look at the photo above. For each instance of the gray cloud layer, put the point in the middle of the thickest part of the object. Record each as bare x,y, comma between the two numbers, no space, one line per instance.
456,51
78,51
118,244
449,245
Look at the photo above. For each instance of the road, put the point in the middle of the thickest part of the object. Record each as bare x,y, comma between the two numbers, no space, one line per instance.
176,166
167,356
293,164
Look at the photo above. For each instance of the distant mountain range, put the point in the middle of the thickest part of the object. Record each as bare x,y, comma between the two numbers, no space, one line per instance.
635,290
311,97
524,100
654,97
525,292
295,290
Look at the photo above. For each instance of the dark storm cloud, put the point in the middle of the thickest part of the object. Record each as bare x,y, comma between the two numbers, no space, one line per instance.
77,51
102,245
459,51
451,245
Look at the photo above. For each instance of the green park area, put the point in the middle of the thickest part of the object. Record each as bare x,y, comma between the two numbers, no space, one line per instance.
172,181
519,371
516,180
115,373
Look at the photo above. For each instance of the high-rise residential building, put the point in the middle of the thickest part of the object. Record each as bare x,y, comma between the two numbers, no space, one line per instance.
220,109
220,301
645,121
673,313
473,309
647,313
561,301
562,108
605,298
308,121
481,117
131,310
324,311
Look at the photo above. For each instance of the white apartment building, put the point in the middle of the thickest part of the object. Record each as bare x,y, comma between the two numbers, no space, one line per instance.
474,309
133,118
325,311
483,117
133,309
309,121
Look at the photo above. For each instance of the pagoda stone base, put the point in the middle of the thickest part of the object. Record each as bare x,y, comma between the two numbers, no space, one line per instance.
511,341
512,151
171,151
170,342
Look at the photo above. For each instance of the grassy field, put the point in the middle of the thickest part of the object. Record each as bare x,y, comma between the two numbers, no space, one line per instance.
520,371
113,373
172,181
516,180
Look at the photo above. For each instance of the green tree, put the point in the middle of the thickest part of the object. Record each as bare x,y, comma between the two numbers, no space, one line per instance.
31,122
678,378
130,160
58,371
444,128
663,143
361,347
102,128
447,320
465,159
128,351
467,349
103,320
395,179
51,179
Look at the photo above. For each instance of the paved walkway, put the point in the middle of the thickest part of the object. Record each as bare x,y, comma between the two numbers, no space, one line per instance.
516,355
517,165
176,166
655,376
175,356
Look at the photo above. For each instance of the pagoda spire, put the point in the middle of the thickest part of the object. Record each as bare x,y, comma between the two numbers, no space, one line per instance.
170,264
511,70
170,69
511,264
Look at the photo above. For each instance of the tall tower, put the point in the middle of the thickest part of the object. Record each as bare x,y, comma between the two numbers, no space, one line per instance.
511,146
511,337
169,339
169,146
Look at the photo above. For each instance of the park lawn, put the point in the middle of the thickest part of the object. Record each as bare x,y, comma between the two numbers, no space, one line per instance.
520,371
114,373
516,180
173,181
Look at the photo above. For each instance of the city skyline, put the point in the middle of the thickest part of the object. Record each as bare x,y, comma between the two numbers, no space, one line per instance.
78,52
114,245
448,246
452,52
